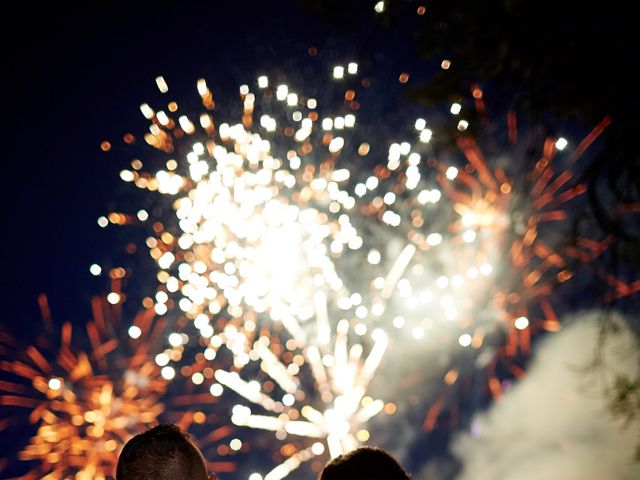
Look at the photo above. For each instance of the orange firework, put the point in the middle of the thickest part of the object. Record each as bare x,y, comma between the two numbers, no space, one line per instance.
496,232
85,403
538,259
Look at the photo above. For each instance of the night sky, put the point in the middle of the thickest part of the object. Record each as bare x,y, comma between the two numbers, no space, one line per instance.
75,76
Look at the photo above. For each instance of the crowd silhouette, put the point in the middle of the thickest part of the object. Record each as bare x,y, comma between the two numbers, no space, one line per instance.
166,453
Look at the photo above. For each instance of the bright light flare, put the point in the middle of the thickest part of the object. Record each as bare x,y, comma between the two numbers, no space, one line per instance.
343,378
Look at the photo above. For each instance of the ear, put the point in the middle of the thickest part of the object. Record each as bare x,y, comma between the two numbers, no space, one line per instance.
212,476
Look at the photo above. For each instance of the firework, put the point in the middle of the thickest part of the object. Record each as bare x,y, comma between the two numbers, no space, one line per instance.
259,212
94,390
495,239
86,403
272,229
334,411
257,218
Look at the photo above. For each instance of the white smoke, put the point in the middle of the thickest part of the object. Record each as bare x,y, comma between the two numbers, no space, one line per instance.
554,424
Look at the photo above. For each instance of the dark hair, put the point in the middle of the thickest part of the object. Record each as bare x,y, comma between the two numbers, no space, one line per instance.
364,463
162,453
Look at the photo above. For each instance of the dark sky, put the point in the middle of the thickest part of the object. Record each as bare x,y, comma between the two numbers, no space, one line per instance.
76,76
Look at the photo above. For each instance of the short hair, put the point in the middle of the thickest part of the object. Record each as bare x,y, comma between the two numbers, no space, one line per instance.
161,453
364,463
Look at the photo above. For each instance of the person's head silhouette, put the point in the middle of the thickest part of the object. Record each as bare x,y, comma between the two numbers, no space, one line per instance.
364,463
161,453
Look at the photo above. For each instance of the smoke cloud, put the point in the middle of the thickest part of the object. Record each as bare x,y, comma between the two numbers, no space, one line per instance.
555,422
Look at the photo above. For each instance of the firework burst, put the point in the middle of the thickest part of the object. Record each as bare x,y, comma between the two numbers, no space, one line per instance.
332,410
269,216
89,392
260,214
495,238
86,403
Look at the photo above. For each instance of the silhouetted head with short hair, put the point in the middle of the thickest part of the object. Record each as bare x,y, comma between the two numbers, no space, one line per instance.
364,463
162,453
